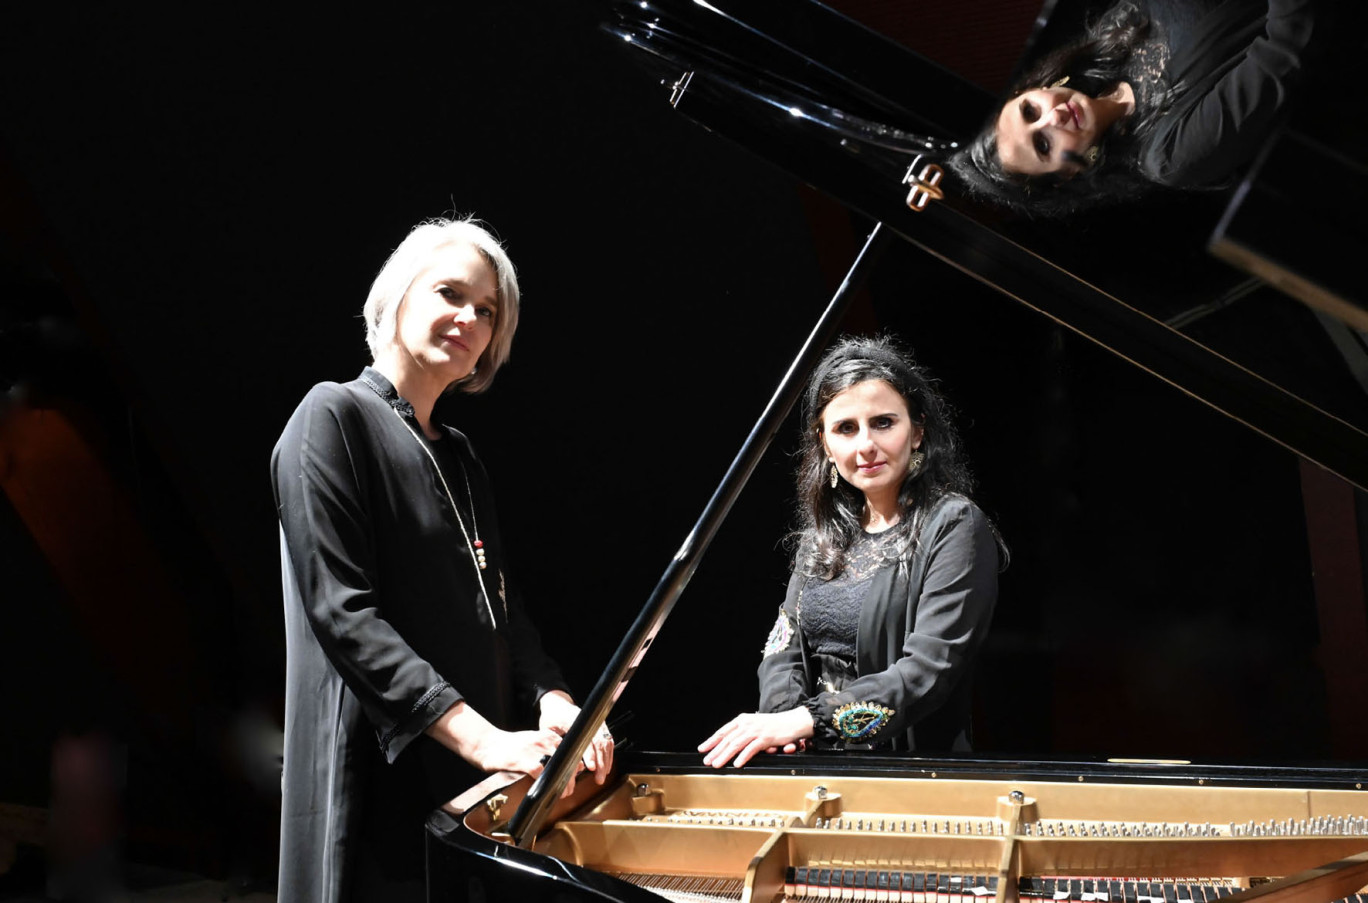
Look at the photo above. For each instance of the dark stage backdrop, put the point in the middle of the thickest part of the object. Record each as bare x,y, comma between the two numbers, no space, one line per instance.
195,204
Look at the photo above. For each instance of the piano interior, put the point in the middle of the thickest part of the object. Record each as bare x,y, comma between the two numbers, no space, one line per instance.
945,837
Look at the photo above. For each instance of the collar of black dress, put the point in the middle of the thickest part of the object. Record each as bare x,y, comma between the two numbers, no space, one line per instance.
385,389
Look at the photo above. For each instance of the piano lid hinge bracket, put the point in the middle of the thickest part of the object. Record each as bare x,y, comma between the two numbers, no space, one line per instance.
923,181
679,87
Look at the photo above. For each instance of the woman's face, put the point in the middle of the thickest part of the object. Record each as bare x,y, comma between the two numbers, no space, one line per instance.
869,435
1036,129
446,319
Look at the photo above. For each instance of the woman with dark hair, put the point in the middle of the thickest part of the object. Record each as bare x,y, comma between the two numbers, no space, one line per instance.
1157,92
894,573
411,667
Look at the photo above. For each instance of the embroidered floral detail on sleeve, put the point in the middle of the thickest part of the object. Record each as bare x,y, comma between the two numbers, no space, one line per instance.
860,720
780,635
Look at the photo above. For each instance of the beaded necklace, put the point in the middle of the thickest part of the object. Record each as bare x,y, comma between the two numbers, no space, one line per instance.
472,536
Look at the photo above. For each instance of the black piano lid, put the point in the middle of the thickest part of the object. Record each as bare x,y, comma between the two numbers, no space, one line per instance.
765,80
811,49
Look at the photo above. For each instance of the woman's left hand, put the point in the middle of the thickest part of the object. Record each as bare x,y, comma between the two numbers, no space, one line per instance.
752,732
558,713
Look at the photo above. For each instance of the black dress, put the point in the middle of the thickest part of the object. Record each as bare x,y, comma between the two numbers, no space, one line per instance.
388,624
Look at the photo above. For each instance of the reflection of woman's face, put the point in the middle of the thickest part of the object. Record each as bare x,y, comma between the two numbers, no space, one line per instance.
1036,129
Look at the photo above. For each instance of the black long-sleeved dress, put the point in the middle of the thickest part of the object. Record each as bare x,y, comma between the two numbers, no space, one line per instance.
920,630
388,624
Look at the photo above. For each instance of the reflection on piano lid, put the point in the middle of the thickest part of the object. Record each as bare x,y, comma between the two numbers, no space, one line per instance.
807,50
864,828
1301,187
810,53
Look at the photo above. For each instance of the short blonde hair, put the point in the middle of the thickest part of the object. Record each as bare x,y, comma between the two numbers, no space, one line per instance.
411,258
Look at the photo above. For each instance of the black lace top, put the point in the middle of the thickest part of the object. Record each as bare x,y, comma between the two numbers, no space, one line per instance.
1172,23
831,608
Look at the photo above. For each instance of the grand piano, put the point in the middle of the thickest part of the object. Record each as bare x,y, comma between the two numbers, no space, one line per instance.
862,119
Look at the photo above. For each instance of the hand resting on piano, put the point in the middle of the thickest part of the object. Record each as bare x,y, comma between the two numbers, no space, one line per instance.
750,733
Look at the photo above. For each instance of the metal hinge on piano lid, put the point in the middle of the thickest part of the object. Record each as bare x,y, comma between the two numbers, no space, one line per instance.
679,87
924,180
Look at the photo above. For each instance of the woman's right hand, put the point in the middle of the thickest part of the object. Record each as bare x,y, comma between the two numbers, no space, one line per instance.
749,733
522,751
469,734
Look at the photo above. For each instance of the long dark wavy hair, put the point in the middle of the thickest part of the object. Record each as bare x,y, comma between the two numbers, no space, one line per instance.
1095,65
829,519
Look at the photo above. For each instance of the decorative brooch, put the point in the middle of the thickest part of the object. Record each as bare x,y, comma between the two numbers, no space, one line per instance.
860,720
780,634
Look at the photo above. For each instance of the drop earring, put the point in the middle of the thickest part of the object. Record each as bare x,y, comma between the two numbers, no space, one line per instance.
835,475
